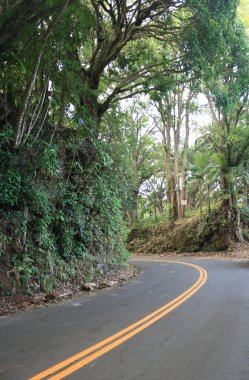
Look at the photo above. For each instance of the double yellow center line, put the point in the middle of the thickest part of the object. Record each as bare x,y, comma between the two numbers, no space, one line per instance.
74,363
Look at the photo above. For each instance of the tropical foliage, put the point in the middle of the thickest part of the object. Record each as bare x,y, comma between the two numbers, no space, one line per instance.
97,101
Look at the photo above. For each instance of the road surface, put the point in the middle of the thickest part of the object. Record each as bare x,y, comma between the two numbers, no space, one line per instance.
174,322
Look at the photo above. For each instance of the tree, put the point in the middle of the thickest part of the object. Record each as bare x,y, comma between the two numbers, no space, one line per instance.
204,172
142,148
114,63
154,193
227,94
174,106
65,67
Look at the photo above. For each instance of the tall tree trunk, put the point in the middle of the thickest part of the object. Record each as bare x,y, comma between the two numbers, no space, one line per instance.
172,201
134,211
171,108
178,113
238,230
155,213
208,199
245,192
226,204
20,123
184,162
176,172
160,203
200,197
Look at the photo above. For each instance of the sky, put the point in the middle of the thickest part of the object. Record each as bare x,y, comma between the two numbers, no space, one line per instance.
201,119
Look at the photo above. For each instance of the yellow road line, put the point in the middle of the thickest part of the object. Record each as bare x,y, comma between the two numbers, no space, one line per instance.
117,335
74,363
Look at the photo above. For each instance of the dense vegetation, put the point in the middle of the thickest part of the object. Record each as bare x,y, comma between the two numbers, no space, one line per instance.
97,99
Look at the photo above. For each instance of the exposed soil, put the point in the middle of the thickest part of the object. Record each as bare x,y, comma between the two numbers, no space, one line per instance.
15,303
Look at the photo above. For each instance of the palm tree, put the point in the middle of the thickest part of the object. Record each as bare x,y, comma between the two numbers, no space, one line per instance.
204,172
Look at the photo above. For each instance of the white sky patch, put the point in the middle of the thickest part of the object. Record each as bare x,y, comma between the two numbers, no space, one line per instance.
200,120
50,84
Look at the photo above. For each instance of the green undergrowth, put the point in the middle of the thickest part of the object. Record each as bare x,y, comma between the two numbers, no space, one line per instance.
60,216
199,233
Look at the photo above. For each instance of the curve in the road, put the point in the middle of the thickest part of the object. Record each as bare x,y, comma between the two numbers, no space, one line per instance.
74,363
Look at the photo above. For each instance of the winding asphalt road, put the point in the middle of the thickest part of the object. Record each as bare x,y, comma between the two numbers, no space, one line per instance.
170,323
